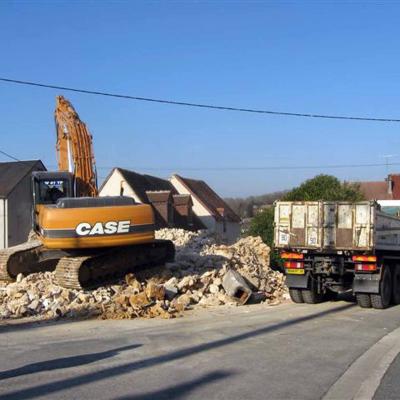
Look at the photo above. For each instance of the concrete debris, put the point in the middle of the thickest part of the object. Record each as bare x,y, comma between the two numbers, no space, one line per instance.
236,287
204,274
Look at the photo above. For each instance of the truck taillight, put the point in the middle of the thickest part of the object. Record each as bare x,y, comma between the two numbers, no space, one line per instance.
365,267
293,264
292,256
364,258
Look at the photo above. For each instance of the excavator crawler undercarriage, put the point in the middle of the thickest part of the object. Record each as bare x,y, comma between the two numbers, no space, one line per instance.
86,268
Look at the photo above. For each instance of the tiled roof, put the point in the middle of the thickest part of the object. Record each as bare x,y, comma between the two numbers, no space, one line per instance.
182,199
158,196
375,190
13,172
210,200
143,183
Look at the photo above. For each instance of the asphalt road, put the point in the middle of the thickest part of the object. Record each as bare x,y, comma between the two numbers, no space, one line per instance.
390,385
252,352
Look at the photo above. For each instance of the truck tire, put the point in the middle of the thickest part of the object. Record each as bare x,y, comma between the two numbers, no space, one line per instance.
396,284
363,300
296,295
310,296
382,300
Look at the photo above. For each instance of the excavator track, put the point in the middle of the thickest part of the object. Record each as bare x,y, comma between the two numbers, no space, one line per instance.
21,259
86,271
92,271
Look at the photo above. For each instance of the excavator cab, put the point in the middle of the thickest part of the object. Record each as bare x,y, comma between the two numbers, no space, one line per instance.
48,187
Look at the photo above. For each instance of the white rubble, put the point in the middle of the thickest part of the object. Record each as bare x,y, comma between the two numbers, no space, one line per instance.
194,279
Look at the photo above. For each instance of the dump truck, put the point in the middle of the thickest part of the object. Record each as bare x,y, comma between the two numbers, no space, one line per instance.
86,239
334,247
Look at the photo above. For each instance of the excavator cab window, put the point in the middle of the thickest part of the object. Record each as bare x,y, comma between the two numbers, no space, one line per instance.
51,191
47,190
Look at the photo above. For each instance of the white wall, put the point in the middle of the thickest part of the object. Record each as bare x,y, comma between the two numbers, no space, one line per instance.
232,229
202,213
3,223
112,187
389,203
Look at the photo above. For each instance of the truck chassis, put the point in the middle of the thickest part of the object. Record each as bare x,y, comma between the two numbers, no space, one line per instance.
315,277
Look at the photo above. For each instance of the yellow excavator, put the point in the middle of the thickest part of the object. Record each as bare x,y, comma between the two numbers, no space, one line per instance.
88,240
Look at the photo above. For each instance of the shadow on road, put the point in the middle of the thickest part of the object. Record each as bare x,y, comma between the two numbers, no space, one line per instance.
15,325
180,390
66,362
127,368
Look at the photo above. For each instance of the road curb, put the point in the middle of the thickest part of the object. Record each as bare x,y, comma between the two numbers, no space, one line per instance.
362,378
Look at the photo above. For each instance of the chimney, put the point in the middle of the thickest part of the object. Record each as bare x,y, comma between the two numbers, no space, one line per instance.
183,206
162,205
395,179
390,184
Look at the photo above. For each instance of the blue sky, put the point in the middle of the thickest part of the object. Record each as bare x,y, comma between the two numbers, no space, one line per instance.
312,57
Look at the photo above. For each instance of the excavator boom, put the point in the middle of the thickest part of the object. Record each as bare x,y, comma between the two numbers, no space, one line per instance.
75,148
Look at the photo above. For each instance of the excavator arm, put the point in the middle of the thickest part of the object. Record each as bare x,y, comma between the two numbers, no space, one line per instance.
75,148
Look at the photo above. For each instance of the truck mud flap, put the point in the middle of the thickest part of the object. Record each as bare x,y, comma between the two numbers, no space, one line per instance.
297,281
366,283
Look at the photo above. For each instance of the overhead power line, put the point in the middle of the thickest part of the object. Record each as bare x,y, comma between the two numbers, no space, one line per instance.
254,168
9,156
189,104
230,168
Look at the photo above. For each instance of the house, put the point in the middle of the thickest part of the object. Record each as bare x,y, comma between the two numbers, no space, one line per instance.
171,208
389,189
16,201
210,208
180,202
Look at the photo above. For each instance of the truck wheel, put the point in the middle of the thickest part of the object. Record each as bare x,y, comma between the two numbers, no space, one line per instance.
396,284
311,296
382,300
296,295
363,300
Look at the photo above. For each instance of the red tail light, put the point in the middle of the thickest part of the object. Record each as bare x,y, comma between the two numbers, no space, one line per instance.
293,256
365,267
364,258
293,264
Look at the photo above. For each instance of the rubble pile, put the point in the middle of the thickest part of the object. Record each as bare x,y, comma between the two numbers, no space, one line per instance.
199,277
38,294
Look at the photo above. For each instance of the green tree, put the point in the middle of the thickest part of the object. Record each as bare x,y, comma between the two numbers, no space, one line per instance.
325,187
322,187
263,225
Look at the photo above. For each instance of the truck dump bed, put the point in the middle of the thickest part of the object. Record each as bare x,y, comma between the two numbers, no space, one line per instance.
331,226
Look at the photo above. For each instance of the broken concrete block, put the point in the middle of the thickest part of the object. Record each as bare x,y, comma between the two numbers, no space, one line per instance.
182,302
236,287
170,291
